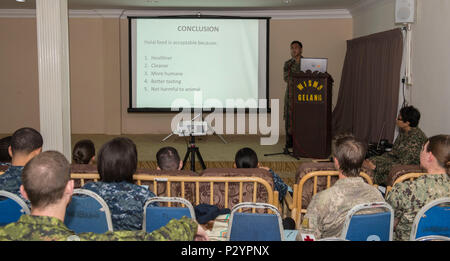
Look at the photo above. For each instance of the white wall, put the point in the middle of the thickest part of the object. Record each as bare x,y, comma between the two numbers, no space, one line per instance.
373,17
430,91
431,65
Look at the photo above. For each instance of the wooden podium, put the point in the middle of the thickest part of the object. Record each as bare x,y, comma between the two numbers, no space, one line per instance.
311,114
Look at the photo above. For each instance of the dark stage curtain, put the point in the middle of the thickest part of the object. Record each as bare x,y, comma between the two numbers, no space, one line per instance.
369,89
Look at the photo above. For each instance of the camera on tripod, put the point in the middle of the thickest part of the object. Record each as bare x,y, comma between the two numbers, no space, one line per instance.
194,128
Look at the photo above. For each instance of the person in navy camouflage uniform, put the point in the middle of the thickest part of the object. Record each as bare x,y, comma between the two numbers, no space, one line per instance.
116,164
247,158
408,197
25,144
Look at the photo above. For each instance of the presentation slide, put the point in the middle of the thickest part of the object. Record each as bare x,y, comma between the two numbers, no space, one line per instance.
214,61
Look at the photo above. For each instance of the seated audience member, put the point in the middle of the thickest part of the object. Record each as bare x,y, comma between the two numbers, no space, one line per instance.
406,148
47,184
408,197
116,164
247,158
83,152
167,158
26,143
5,158
328,209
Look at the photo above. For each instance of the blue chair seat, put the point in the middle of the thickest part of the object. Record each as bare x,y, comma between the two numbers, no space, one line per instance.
88,212
255,226
157,217
12,208
433,219
369,227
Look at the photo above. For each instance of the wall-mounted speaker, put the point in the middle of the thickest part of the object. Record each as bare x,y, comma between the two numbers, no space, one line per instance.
404,11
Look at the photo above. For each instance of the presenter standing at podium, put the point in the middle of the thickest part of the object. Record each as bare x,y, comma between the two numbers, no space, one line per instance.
290,66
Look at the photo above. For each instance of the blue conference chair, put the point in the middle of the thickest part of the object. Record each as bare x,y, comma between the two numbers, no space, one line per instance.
255,226
433,238
433,219
11,208
369,227
157,217
88,212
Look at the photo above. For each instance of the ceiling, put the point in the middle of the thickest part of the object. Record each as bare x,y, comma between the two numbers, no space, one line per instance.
194,4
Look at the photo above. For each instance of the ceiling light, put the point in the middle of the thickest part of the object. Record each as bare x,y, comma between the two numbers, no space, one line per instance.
21,1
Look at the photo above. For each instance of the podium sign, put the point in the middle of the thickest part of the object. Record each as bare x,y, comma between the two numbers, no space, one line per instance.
311,114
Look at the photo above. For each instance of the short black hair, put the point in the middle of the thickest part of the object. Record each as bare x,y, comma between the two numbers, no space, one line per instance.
4,144
246,158
83,151
26,140
168,158
297,42
117,160
350,154
410,114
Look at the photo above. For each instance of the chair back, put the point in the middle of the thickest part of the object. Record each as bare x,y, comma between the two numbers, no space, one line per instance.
11,208
88,212
405,177
157,217
207,189
82,178
255,226
433,238
236,193
433,219
369,227
332,239
312,183
399,170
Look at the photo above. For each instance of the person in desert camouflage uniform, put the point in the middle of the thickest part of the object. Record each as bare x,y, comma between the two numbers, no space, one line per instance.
406,148
290,66
46,183
116,164
407,198
328,209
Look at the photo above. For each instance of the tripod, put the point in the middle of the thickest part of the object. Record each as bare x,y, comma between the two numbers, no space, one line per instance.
285,152
193,150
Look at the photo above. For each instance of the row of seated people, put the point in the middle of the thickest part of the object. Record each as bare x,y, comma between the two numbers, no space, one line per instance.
48,187
116,164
